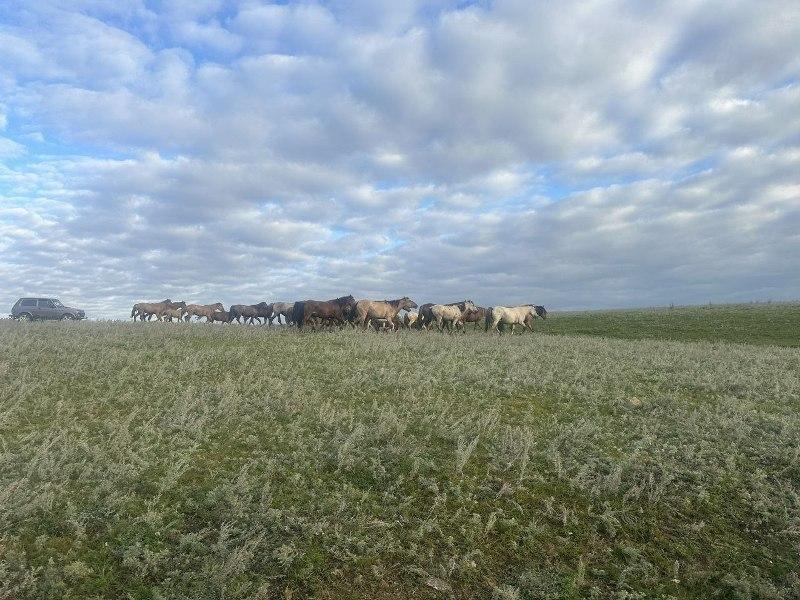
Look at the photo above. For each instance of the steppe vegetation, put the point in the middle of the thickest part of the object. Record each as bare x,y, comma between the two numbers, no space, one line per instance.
201,461
771,323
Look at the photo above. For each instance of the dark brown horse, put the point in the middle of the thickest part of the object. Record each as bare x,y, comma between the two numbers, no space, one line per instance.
251,312
222,316
335,311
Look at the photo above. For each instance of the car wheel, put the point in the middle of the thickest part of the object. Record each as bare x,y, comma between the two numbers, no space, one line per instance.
25,317
67,317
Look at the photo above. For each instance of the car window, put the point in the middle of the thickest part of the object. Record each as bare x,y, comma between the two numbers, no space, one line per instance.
57,303
45,304
28,302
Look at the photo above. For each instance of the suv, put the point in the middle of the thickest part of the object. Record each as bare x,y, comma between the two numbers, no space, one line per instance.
28,309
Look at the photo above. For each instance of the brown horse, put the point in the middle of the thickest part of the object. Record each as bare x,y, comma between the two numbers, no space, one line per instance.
330,311
367,310
172,313
202,310
137,312
146,310
477,316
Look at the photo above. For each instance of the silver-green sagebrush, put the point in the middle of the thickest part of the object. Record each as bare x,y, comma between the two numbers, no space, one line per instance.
194,461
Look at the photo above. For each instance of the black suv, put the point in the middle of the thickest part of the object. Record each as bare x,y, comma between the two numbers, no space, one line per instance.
28,309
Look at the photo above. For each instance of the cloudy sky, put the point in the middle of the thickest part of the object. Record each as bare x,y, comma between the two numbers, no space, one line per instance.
574,154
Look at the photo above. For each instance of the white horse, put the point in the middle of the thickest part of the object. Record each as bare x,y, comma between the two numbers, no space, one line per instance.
450,315
517,315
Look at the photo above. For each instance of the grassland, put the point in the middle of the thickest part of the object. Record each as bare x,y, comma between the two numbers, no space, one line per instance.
754,323
193,461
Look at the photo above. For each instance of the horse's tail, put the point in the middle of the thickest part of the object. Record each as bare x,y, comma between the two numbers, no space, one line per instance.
487,319
298,314
540,310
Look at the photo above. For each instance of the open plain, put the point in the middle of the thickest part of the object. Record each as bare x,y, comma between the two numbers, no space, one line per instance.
207,461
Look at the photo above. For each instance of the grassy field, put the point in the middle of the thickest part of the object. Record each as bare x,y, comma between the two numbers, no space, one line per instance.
757,323
193,461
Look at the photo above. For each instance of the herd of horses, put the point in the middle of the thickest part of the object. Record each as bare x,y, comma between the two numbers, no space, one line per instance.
388,315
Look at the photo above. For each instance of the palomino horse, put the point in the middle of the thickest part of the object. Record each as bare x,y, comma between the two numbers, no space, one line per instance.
367,310
202,310
148,309
283,309
451,315
251,312
517,315
330,311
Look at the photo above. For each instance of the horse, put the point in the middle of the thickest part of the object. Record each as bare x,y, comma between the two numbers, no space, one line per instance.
250,312
202,310
381,324
425,317
237,311
333,311
220,315
138,312
148,309
173,313
517,315
409,319
264,311
367,310
476,316
282,309
451,314
540,310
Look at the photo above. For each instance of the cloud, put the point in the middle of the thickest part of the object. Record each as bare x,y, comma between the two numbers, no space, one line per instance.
576,154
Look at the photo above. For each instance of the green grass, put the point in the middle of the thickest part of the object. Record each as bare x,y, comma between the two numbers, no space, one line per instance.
756,323
194,461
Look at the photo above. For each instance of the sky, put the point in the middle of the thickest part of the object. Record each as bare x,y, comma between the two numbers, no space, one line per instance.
585,154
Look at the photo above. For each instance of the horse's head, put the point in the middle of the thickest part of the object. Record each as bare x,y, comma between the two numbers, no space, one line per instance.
540,310
346,302
181,304
407,303
218,306
468,306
